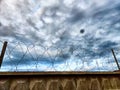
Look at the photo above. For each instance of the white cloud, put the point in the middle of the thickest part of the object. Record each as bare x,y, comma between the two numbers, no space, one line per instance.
57,23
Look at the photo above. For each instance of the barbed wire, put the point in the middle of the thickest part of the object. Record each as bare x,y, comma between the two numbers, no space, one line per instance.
23,57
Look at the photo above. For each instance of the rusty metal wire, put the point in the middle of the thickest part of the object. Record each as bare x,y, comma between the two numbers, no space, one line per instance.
23,57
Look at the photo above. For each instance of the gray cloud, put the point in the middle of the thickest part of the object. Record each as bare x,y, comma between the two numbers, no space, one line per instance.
7,31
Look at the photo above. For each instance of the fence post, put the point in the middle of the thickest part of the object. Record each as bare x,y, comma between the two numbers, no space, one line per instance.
3,52
115,59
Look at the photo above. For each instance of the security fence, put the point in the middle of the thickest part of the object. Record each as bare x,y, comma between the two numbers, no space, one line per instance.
35,57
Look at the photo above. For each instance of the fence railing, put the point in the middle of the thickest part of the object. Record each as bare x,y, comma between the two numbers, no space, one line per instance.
3,52
23,57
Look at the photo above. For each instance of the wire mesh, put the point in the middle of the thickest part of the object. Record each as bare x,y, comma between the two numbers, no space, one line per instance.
31,57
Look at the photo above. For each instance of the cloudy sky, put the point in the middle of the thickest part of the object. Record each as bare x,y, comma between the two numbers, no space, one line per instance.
60,35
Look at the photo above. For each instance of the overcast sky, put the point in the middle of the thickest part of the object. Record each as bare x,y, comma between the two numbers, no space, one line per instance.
60,35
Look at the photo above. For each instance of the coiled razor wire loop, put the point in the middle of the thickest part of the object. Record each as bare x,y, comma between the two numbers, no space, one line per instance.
23,57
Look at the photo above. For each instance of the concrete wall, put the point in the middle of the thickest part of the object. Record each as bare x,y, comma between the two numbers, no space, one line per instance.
60,81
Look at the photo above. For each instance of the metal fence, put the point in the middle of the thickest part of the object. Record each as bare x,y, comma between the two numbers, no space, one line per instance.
29,57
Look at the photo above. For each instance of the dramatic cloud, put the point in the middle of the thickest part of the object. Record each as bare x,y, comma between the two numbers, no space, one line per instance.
46,35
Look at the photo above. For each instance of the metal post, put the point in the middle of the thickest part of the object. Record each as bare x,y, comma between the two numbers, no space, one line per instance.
3,52
115,59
